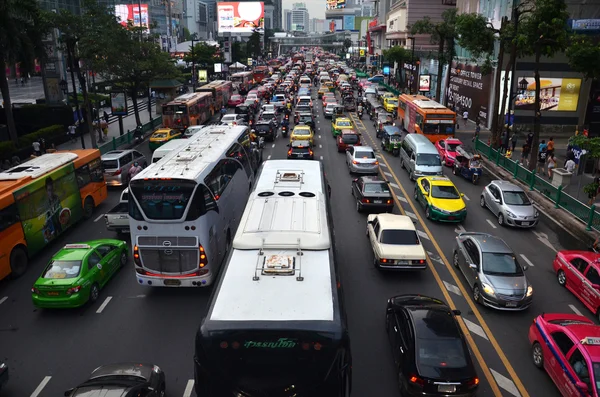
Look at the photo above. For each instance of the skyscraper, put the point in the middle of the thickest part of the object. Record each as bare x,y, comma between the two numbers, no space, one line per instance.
287,20
300,18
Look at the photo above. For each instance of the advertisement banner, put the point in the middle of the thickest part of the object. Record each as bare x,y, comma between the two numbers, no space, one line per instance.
336,4
555,94
424,82
218,67
131,13
202,76
48,206
240,17
118,104
470,90
334,24
349,22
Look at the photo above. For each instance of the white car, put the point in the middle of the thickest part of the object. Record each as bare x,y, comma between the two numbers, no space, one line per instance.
395,242
328,112
253,97
270,108
232,119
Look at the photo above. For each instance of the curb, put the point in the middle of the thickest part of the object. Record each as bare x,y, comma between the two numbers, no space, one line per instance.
570,223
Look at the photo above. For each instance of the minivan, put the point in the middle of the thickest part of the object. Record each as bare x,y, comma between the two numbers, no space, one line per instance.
167,148
116,165
419,157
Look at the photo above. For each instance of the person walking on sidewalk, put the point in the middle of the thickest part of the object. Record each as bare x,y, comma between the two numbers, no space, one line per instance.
525,153
550,146
465,116
513,141
551,164
105,116
542,155
36,148
477,131
570,165
72,132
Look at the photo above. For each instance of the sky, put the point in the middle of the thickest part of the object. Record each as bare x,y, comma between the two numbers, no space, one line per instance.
316,8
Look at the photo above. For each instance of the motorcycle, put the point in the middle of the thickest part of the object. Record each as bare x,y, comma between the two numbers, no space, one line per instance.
360,114
138,135
284,130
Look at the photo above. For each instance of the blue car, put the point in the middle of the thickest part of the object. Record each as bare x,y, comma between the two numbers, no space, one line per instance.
376,79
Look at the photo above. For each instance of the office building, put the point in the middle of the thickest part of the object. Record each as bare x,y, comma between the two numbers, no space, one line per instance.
317,25
287,20
300,18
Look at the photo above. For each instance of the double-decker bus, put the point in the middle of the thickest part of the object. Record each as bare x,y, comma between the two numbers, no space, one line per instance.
221,91
259,73
276,324
242,81
43,197
421,115
184,210
186,110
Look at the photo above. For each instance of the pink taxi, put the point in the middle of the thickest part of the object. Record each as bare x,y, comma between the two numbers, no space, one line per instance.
567,347
579,272
447,150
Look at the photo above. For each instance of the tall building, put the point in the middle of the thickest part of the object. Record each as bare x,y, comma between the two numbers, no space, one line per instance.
277,13
300,18
203,31
287,20
317,25
191,10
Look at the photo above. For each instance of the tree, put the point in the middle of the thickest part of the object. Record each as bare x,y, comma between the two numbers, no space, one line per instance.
397,55
239,52
443,34
347,44
253,45
267,39
542,33
204,55
23,26
584,55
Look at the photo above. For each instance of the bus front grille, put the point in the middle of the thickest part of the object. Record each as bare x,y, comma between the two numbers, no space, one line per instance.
172,260
168,241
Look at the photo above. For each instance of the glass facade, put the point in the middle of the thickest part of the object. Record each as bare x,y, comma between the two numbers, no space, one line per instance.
73,6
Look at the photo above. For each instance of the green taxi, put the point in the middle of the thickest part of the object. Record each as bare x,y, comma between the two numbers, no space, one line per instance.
340,123
77,272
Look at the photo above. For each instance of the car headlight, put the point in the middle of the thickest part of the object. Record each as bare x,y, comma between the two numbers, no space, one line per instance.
488,289
529,291
510,214
536,214
440,210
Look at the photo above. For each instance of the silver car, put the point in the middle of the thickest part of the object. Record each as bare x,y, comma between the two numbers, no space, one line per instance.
329,109
116,165
361,160
509,203
492,271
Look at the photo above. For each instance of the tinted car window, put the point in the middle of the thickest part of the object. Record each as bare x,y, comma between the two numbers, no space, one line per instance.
428,159
444,192
501,264
516,198
376,187
364,155
110,164
399,237
350,138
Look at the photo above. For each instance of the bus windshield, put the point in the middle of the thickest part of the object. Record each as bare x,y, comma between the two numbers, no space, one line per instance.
163,199
438,129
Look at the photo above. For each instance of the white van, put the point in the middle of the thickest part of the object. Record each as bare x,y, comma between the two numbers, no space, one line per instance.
419,157
167,148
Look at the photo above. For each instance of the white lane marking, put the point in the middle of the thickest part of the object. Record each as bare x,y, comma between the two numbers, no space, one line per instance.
321,158
392,184
402,198
435,257
319,128
99,217
475,328
137,296
576,310
466,197
452,288
273,145
3,300
491,223
319,136
527,260
41,386
505,383
422,234
383,165
459,229
320,146
411,214
188,388
103,305
543,237
269,157
388,174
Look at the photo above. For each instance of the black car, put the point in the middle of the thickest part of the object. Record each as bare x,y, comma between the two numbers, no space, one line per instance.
265,129
122,380
245,111
306,118
270,117
429,348
300,150
374,193
3,374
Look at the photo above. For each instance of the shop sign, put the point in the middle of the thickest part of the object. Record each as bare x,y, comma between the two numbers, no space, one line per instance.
409,66
470,90
555,94
425,82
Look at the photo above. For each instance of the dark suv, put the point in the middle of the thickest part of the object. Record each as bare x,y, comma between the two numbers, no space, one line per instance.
265,129
300,150
246,111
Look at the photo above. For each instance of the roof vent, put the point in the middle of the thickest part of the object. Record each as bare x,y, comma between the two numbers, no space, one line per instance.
265,194
306,194
286,194
290,177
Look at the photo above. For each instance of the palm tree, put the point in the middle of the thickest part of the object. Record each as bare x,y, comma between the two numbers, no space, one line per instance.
23,26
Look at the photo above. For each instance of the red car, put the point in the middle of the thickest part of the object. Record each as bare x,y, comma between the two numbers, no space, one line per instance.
235,100
567,346
579,272
447,150
347,138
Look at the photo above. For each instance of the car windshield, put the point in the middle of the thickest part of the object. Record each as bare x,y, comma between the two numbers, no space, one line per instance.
267,116
343,123
236,97
516,198
451,147
428,159
444,192
110,164
262,127
362,154
399,237
62,269
501,264
436,356
392,102
376,187
228,118
159,135
301,132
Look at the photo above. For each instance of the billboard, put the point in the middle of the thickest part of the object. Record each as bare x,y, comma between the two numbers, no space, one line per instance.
555,94
240,17
131,12
48,206
334,24
336,4
424,82
469,90
349,21
118,104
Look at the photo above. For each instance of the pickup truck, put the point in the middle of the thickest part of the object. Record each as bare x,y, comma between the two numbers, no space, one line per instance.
279,101
117,219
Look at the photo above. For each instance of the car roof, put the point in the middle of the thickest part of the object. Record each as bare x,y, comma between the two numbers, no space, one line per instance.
505,185
489,243
305,114
364,148
77,251
114,154
348,131
343,119
439,180
393,221
452,140
298,143
392,129
302,127
371,179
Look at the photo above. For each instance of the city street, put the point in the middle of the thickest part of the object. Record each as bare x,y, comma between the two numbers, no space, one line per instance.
51,351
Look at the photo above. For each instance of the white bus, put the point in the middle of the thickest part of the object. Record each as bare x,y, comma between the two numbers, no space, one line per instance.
184,210
242,81
276,324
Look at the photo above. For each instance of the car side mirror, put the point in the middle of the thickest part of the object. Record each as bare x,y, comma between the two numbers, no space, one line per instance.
582,386
456,312
462,195
473,266
369,222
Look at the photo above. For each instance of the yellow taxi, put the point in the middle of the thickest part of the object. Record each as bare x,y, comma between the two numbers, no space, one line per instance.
322,90
386,95
440,198
330,86
162,136
303,133
390,104
341,123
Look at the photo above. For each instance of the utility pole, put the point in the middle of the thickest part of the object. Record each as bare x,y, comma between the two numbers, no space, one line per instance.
193,68
412,66
513,77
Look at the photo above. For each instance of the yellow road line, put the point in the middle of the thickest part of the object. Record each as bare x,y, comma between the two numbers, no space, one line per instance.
476,352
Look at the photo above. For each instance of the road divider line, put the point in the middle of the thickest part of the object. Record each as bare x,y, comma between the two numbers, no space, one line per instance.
269,157
491,223
319,136
452,288
103,305
387,174
99,217
422,234
383,165
3,300
321,158
411,214
474,348
575,310
466,197
273,145
527,260
189,387
505,383
543,237
475,328
41,386
459,229
392,184
434,257
320,146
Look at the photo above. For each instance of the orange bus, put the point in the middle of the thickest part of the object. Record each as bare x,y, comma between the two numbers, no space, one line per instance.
188,109
421,115
260,73
221,91
42,198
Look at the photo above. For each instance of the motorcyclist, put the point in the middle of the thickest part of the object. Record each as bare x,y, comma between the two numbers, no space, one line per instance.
138,133
359,108
253,136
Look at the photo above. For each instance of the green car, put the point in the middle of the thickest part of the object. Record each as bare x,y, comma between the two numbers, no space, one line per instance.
77,272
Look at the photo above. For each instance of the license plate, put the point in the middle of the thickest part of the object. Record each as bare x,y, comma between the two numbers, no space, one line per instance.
446,388
51,293
173,282
525,223
511,304
451,218
403,262
378,201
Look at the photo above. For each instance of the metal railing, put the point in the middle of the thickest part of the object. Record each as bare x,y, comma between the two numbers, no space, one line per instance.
127,138
587,214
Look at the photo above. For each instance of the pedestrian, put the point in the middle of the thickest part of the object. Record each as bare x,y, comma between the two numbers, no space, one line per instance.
36,148
543,146
72,133
15,160
550,146
551,164
513,141
105,115
22,81
465,116
530,138
477,131
542,156
503,142
223,111
105,131
570,165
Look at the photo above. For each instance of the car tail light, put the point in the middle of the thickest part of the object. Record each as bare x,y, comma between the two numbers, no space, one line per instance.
203,258
366,201
418,262
389,201
414,379
35,291
376,163
310,152
117,172
136,256
290,152
472,383
384,260
74,290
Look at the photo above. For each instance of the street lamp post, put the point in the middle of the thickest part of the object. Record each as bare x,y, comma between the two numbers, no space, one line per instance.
412,66
193,68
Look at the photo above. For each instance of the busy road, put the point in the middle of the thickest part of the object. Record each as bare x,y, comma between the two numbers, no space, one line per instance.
50,351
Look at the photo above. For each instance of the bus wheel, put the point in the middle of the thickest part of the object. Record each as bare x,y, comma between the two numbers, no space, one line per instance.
88,207
18,262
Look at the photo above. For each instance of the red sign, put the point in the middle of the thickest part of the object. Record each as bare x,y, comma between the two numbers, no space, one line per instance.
131,12
373,23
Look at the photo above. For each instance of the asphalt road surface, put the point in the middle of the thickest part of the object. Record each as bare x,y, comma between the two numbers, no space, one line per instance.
50,351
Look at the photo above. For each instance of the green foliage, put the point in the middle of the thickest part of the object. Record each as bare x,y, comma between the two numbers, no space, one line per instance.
477,35
591,145
543,30
50,135
397,54
239,51
253,46
7,149
584,55
204,55
591,188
